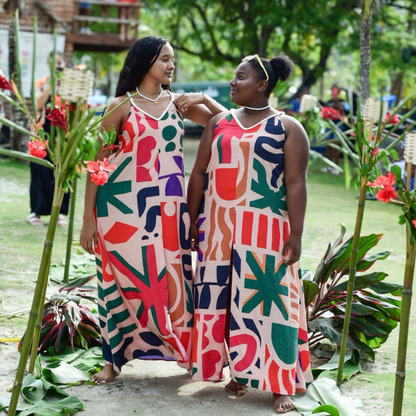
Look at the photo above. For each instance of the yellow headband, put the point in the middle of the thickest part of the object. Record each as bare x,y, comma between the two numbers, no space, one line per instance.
256,56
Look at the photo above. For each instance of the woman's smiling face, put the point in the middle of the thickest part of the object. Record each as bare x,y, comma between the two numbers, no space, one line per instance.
244,85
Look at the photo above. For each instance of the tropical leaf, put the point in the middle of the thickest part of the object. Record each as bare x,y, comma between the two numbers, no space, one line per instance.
60,372
325,392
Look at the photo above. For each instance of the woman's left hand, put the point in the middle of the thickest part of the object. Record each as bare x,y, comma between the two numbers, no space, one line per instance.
292,249
184,101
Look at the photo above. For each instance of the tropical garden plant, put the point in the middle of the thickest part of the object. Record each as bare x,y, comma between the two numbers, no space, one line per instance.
68,323
375,308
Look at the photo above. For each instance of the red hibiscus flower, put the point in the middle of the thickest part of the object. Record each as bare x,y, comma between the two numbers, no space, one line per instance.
99,171
386,193
394,120
58,119
37,148
5,85
383,181
331,113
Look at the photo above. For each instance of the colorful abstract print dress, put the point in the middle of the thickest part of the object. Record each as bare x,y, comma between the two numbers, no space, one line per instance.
143,251
242,226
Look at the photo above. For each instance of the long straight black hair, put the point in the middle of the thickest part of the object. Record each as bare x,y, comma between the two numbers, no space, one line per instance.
139,60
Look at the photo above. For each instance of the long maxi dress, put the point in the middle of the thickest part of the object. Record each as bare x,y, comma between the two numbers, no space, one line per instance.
242,226
143,252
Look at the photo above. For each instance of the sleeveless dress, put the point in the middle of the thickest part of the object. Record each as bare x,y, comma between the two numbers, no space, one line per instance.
242,227
143,252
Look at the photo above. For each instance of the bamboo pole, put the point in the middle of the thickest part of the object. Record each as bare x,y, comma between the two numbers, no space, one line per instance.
70,231
351,280
38,298
404,326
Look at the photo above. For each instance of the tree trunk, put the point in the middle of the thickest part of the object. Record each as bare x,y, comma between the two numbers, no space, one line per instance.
365,53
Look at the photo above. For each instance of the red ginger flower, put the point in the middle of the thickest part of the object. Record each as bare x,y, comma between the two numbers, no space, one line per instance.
37,148
375,151
414,223
58,119
5,85
385,183
331,113
99,171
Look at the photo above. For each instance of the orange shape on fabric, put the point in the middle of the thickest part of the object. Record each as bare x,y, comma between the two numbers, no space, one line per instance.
226,183
274,377
119,233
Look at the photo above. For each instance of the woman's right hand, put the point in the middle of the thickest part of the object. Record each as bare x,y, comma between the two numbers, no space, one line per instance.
194,237
89,236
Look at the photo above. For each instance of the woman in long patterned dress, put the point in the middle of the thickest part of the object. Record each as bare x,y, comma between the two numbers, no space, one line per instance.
247,200
138,222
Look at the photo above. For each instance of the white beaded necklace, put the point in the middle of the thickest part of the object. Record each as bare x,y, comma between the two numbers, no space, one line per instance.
257,108
156,101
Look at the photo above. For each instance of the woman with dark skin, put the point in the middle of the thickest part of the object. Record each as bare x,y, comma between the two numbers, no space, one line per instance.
247,201
137,223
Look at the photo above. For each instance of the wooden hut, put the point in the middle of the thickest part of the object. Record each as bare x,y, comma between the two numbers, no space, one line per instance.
88,25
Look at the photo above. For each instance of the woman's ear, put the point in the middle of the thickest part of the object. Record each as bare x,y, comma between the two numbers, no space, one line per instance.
262,85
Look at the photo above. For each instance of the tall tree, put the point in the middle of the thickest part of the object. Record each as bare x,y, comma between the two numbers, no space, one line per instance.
231,29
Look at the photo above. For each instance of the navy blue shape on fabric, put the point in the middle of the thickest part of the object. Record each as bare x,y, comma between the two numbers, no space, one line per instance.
205,300
222,299
152,213
233,355
249,323
258,363
143,194
151,339
233,323
237,263
119,358
273,128
222,274
237,297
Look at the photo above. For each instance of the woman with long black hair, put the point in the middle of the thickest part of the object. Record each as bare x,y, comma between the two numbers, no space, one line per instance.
138,222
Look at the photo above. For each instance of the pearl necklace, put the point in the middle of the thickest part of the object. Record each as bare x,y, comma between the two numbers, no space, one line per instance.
156,101
257,108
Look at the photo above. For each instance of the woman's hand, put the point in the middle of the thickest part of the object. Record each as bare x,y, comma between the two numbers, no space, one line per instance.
184,101
292,249
194,237
89,236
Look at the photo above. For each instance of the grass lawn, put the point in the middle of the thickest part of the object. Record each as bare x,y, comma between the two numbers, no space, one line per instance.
329,204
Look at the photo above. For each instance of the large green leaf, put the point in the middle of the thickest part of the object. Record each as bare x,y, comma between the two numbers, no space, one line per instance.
27,157
63,373
324,391
361,281
351,366
310,290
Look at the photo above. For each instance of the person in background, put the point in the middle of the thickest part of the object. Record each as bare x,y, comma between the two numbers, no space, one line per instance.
295,102
42,181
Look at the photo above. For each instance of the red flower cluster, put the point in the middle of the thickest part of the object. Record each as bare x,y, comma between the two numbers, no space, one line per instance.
99,171
394,120
385,183
5,85
110,147
331,113
57,118
37,148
